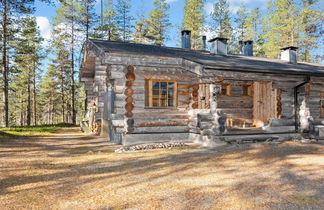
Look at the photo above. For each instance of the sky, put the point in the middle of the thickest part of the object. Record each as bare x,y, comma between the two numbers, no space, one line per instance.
45,13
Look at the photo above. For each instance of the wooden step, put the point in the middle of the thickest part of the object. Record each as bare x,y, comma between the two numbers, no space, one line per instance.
160,122
161,129
132,139
256,138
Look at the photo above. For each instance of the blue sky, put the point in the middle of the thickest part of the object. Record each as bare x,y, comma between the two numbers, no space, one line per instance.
45,13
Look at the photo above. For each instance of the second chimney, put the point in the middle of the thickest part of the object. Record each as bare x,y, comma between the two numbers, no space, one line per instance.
289,54
248,48
186,39
218,46
204,42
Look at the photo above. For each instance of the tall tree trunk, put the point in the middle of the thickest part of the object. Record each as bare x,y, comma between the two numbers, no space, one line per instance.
72,73
29,98
62,96
5,66
34,94
21,110
87,19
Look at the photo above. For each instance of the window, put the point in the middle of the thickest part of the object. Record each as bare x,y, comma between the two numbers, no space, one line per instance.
160,93
246,90
226,89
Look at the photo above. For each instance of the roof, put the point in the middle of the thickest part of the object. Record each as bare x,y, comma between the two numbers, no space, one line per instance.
212,61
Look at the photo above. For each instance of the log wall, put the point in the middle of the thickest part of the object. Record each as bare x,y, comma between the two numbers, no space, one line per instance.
131,116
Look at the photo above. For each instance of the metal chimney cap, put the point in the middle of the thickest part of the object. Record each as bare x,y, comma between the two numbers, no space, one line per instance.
185,31
248,42
218,38
289,48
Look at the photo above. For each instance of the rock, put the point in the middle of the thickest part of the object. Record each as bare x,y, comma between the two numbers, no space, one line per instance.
150,146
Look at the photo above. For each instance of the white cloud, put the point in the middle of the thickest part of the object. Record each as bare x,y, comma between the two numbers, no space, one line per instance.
234,5
44,27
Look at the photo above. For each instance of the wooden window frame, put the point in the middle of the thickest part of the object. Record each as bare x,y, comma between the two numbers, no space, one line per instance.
249,89
228,89
149,94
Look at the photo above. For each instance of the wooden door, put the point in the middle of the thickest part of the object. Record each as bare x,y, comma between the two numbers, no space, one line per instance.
322,105
264,103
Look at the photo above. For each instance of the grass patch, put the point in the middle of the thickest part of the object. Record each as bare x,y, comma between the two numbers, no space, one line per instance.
13,132
304,199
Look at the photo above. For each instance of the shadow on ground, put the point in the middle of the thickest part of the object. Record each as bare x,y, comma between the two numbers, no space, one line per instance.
84,168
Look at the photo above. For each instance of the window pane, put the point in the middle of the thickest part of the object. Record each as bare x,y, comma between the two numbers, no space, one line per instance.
156,93
155,102
156,85
224,90
164,93
170,102
171,85
170,94
164,85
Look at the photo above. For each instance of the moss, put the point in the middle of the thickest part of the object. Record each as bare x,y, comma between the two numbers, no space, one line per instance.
304,199
14,132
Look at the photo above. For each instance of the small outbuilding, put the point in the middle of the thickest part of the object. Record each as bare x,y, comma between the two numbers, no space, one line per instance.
146,93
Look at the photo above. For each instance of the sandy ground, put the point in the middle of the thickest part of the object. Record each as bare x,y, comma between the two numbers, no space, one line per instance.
70,170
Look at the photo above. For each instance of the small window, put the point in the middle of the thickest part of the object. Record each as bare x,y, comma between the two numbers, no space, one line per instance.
226,89
160,93
246,90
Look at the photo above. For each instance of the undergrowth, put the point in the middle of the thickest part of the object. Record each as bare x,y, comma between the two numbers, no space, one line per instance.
21,131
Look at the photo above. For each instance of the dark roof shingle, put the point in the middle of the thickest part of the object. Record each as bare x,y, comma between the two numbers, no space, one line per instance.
244,63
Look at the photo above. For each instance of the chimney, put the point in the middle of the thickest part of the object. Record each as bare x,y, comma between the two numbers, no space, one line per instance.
185,39
289,54
241,47
218,46
248,48
204,38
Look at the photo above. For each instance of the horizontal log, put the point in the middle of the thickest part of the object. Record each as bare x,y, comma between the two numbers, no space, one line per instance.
240,138
118,123
165,129
234,104
160,122
281,122
319,121
132,139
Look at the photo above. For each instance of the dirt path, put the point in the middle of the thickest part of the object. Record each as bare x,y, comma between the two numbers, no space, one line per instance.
70,170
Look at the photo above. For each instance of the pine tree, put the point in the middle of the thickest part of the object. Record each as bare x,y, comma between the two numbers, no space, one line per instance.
140,32
241,21
221,21
158,23
139,35
67,15
193,20
282,25
27,59
311,23
124,19
254,31
49,96
11,9
87,16
108,27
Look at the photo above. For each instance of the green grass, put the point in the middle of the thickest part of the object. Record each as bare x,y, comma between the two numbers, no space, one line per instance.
14,132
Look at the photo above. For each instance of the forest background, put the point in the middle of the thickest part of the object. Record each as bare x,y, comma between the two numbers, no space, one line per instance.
41,42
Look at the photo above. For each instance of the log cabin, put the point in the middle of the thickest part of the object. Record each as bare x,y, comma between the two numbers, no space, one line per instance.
146,93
